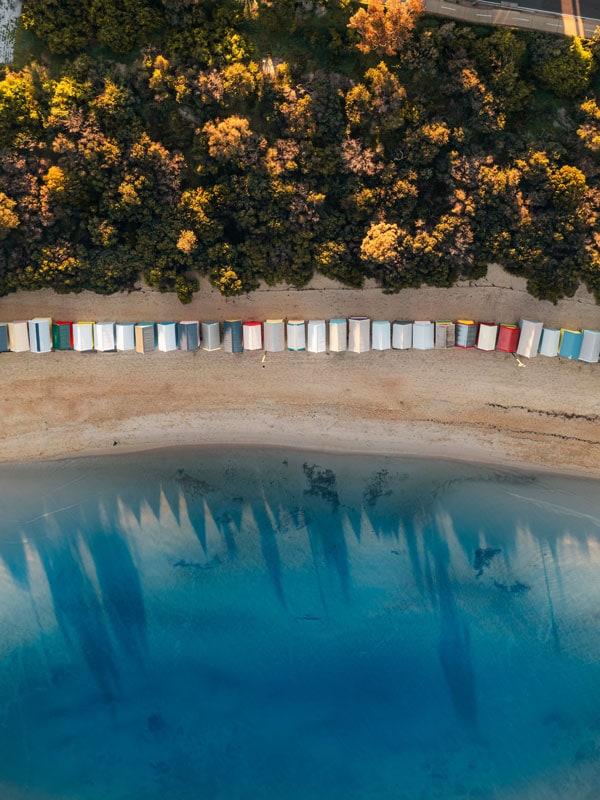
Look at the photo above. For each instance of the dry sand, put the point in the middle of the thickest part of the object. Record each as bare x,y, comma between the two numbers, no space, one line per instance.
455,403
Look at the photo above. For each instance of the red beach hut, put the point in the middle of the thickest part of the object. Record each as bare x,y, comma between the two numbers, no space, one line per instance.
508,338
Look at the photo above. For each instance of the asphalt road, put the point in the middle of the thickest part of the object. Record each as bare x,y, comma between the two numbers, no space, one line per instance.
579,8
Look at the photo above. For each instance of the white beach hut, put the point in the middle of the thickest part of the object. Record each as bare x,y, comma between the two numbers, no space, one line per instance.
359,334
125,336
104,337
486,338
252,335
18,336
274,335
590,346
211,336
402,332
445,334
296,334
40,334
316,340
83,336
338,335
529,339
550,342
166,333
423,334
381,334
188,334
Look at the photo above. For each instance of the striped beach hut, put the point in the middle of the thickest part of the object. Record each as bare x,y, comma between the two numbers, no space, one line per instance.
83,336
445,334
166,336
338,335
62,335
233,339
423,334
486,338
508,338
274,335
188,334
4,337
316,336
145,337
381,334
570,343
252,335
359,334
105,337
590,346
402,333
40,334
529,338
125,336
211,336
18,336
466,333
550,342
296,334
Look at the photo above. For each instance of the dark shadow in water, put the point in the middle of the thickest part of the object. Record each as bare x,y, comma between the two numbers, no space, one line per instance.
269,548
14,557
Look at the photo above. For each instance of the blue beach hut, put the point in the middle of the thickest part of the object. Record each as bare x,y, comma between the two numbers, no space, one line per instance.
570,343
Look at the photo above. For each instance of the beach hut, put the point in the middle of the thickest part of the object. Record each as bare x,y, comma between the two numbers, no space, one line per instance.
296,334
549,342
211,336
359,334
62,335
508,338
18,336
402,335
188,334
145,337
338,335
104,337
423,333
529,338
274,335
125,336
590,346
486,338
3,337
233,339
252,335
381,334
445,334
570,343
466,333
166,336
40,334
83,336
316,339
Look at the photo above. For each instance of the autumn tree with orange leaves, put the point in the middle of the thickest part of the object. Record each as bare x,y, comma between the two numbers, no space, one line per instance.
384,27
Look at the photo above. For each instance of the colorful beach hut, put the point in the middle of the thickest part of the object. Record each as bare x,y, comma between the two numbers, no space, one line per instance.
145,337
423,334
486,338
62,335
381,334
466,333
550,342
252,335
83,336
274,335
508,338
296,334
338,335
211,336
359,334
18,336
104,337
316,336
233,340
4,337
529,338
125,336
590,346
40,334
188,334
570,343
445,334
166,336
402,333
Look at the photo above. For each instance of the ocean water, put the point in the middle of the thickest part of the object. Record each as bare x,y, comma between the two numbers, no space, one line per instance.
277,624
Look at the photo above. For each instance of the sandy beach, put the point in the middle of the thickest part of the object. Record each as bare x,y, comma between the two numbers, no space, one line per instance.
463,404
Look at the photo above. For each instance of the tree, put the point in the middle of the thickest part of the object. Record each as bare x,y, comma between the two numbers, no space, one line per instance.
384,27
563,65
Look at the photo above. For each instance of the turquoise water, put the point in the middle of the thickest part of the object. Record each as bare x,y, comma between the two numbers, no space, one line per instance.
233,624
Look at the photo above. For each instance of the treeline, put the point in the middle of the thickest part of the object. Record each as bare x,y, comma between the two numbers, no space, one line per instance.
261,141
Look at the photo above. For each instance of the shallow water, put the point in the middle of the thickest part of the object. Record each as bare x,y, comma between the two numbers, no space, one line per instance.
233,624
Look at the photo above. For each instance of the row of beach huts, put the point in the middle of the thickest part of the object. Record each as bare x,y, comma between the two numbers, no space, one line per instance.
356,334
